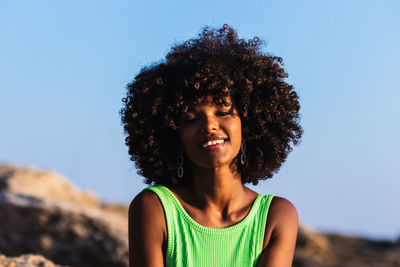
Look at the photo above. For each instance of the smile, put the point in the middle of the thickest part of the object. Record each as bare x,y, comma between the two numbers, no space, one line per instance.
213,143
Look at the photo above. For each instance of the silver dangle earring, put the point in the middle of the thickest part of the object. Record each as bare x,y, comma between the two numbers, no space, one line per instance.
180,165
243,153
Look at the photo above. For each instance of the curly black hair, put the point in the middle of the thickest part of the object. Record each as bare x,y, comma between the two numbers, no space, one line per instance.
219,64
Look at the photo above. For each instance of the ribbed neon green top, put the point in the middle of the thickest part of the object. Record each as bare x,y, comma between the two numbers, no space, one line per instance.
193,245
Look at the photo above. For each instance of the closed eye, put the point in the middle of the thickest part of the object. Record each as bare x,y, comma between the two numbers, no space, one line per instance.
225,112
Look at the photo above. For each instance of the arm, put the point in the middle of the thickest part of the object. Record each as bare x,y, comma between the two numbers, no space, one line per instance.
147,231
281,234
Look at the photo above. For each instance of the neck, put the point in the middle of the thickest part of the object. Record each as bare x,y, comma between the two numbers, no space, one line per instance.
217,187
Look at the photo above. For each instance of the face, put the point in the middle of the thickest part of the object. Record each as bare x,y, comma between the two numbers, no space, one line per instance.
211,134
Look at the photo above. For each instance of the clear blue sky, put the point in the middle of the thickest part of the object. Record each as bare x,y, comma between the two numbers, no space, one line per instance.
64,66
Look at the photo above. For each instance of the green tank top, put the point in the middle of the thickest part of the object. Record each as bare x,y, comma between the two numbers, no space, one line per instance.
193,245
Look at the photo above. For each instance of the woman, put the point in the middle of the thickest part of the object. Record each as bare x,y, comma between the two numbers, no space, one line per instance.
217,114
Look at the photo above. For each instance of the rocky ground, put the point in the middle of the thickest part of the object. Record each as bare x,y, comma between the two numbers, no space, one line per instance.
45,221
332,250
27,260
41,213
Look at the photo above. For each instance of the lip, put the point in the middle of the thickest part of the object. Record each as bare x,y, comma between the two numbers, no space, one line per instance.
215,147
205,144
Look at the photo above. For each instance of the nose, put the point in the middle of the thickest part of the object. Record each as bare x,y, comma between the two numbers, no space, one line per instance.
210,124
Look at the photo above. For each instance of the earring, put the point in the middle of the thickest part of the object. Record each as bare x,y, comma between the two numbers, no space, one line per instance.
243,153
180,166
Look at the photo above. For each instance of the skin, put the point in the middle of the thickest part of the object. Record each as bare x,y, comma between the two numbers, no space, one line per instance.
216,198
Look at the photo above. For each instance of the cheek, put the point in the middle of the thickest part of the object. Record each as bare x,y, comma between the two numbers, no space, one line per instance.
238,140
237,128
188,146
186,139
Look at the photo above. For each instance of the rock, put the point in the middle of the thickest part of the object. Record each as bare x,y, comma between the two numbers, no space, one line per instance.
43,185
66,225
312,248
316,249
27,260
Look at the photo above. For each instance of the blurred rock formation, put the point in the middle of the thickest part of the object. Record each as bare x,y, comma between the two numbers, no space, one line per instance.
41,213
27,260
45,221
332,250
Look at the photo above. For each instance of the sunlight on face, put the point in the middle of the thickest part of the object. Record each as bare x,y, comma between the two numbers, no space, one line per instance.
211,134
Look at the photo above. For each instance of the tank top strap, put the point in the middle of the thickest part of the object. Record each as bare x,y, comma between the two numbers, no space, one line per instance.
260,220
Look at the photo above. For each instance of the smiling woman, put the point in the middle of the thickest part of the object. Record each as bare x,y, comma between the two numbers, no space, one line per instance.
211,134
215,115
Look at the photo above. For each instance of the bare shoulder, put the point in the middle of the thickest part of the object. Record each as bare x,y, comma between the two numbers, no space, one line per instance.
146,213
282,211
147,230
282,218
145,202
280,234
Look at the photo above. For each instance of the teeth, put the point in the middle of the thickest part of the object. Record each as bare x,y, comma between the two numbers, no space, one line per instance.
213,143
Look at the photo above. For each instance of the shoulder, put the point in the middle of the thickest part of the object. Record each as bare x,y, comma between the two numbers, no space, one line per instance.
282,219
146,213
280,234
146,207
147,230
145,200
282,209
